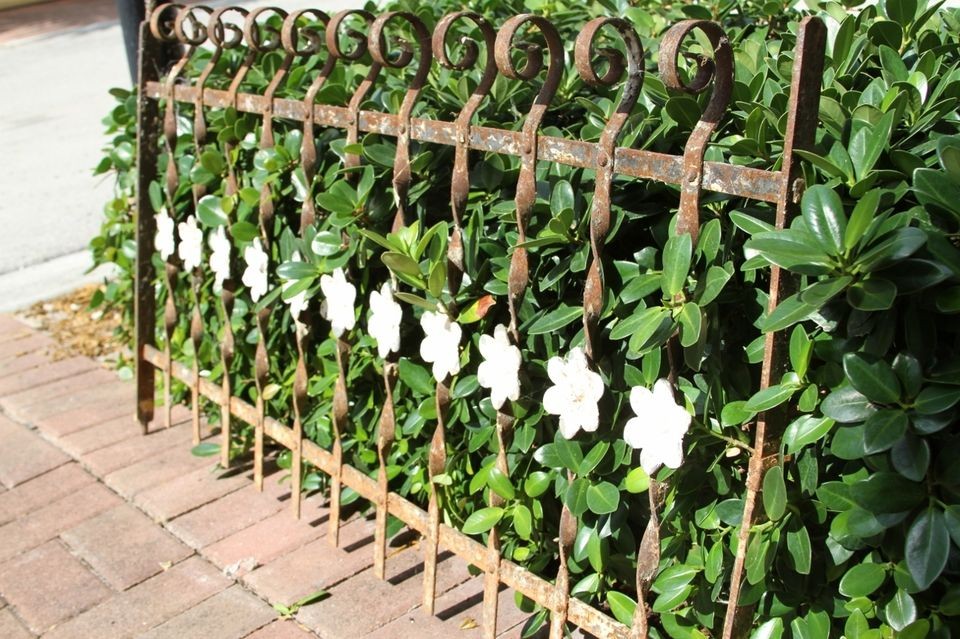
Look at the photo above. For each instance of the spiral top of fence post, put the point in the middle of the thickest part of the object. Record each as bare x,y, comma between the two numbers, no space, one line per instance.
163,30
720,71
261,36
290,33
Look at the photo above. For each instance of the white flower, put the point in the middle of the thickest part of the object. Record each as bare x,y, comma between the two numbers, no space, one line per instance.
298,303
337,308
500,369
575,392
255,275
441,344
219,257
658,428
384,322
164,241
191,243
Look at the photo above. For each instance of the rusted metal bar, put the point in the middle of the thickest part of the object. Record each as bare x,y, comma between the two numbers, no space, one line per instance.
731,179
290,35
802,121
459,191
519,276
163,30
144,299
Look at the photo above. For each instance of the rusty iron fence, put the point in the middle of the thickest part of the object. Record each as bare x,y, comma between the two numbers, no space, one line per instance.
160,91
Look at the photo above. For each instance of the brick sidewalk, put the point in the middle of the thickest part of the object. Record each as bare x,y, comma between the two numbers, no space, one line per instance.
106,533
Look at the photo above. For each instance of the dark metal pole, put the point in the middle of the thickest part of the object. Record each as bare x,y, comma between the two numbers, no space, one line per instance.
131,14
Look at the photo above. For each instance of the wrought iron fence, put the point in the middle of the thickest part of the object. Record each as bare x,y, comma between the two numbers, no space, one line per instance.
193,27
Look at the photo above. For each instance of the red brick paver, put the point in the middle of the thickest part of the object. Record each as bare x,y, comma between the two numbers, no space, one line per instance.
46,523
380,600
187,492
147,605
263,542
231,513
10,626
41,601
281,629
27,456
124,547
42,490
231,614
44,374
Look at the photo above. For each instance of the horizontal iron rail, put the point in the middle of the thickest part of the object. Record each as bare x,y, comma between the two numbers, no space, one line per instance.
730,179
583,615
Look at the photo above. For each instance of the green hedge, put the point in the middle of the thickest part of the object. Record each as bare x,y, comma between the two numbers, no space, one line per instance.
859,532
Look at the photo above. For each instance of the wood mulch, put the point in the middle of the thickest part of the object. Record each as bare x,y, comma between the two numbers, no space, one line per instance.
76,329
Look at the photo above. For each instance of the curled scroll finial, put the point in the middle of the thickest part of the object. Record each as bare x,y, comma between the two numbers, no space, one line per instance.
225,34
162,21
291,34
460,185
378,43
533,54
337,22
630,60
471,49
719,70
261,35
404,55
352,160
190,29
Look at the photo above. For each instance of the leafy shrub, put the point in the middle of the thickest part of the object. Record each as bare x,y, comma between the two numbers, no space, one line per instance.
860,529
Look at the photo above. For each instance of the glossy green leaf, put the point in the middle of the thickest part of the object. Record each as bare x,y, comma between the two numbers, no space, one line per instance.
770,398
774,493
690,319
936,398
210,212
874,378
576,496
883,429
862,580
555,320
787,313
603,498
522,521
637,480
677,253
927,547
822,209
847,405
801,552
622,607
500,483
536,483
806,430
400,263
874,294
900,611
886,492
482,520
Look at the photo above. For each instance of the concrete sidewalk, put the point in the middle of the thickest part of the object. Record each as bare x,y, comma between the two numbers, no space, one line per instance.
108,533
